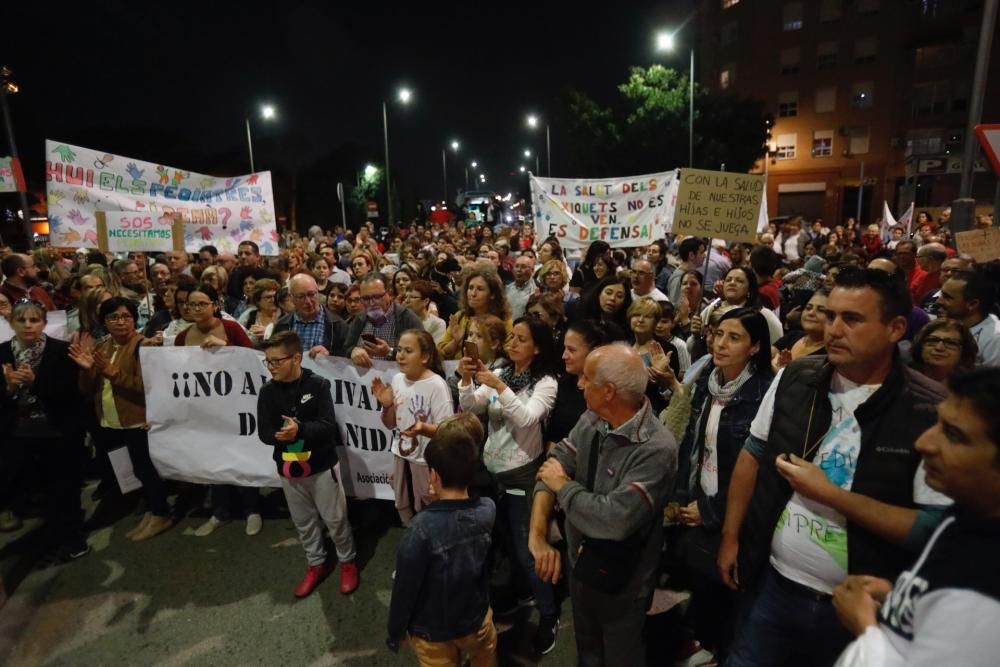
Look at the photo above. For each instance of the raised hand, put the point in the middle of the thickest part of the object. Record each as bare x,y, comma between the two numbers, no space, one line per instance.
383,392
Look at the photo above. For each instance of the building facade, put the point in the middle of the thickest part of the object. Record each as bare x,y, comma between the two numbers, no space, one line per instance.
865,95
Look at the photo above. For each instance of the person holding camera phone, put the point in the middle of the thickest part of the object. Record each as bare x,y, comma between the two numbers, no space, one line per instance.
377,334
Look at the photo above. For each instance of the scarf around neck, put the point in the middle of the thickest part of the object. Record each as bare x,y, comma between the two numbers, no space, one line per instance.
724,391
30,354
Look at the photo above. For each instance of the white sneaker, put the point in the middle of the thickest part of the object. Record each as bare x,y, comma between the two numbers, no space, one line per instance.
207,528
254,524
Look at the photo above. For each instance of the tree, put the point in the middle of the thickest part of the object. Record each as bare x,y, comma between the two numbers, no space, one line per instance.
646,127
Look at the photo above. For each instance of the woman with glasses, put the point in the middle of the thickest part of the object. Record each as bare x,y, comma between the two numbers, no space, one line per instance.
263,314
111,374
209,330
943,347
42,429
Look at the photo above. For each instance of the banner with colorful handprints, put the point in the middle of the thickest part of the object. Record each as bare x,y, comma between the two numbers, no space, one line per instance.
216,210
11,177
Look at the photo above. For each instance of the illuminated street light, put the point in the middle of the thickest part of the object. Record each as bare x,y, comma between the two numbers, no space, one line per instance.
404,95
667,41
533,123
370,170
267,112
522,168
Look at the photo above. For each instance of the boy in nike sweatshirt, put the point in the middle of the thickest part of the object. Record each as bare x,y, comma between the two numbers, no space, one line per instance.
295,416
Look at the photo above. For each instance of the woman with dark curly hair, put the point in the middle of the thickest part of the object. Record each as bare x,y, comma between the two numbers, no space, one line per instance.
482,294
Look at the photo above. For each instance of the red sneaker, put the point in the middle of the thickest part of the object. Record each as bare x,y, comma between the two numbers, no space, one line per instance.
349,577
314,576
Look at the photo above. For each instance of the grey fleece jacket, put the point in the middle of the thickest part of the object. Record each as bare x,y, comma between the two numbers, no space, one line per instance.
635,473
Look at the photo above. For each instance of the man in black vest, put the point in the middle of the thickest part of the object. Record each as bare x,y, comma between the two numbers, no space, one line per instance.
829,482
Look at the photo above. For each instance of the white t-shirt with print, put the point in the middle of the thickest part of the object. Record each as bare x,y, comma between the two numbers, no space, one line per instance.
428,399
708,474
809,545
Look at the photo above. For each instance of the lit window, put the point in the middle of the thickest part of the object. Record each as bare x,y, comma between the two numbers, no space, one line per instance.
858,140
822,143
791,16
788,104
784,147
863,96
826,100
726,77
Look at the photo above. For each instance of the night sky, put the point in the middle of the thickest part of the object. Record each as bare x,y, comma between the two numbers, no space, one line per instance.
172,82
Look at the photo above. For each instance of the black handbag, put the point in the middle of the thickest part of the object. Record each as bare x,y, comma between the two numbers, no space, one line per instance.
607,565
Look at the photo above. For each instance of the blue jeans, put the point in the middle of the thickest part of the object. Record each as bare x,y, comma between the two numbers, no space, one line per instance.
518,519
786,624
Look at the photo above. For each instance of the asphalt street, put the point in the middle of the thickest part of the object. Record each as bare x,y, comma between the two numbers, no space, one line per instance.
221,600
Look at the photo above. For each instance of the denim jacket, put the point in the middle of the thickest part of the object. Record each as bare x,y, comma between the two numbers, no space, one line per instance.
441,590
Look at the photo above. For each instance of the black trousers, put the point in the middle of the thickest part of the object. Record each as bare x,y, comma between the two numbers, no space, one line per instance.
154,491
55,466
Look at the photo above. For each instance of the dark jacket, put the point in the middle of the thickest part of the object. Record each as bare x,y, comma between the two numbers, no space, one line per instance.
333,330
734,427
891,421
308,400
405,319
441,590
56,387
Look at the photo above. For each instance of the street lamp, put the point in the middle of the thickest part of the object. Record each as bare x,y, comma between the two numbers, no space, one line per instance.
527,153
370,170
9,87
474,164
404,95
667,41
533,123
267,112
521,169
444,166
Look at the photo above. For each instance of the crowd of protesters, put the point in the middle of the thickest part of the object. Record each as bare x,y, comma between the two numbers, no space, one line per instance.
766,426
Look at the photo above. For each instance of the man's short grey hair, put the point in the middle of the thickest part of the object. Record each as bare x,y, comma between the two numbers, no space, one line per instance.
935,251
344,248
301,279
374,276
315,231
620,365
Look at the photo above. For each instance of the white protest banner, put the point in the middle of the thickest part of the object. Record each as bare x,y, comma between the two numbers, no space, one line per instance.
217,210
201,407
625,212
55,326
888,222
906,219
719,204
365,458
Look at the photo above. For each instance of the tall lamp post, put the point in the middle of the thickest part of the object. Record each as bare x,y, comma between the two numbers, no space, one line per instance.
444,166
474,164
8,87
403,96
533,123
267,112
666,41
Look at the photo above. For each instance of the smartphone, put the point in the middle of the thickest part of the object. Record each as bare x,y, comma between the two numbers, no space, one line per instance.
471,350
369,338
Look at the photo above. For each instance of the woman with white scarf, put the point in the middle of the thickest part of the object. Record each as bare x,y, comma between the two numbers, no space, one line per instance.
724,401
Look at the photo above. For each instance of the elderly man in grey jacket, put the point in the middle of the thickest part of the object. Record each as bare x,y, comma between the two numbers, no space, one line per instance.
621,496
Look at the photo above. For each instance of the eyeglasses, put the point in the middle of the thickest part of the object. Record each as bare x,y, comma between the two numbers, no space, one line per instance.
373,298
196,305
274,362
953,343
304,296
118,317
